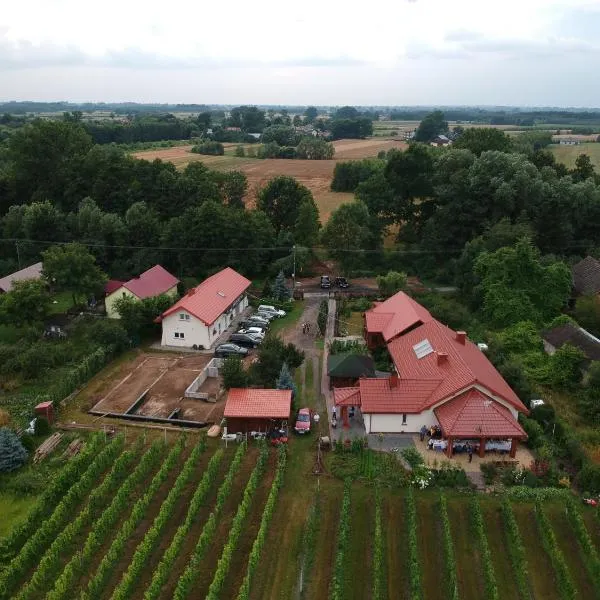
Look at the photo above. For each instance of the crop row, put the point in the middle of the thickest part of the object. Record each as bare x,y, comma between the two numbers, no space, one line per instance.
104,526
188,578
47,502
414,562
451,581
50,564
563,577
49,528
150,541
337,580
516,550
491,587
162,572
138,512
378,552
237,525
261,536
588,549
309,542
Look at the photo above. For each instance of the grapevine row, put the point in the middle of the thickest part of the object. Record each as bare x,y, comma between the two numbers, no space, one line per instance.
49,566
104,526
337,580
237,525
491,587
451,581
309,540
268,511
150,541
516,550
414,563
565,584
378,552
110,559
588,549
60,484
162,572
188,578
46,532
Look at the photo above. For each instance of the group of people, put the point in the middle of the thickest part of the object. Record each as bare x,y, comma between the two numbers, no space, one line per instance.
334,415
305,327
435,441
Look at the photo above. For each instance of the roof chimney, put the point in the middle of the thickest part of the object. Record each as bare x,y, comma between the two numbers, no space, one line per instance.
394,381
442,358
461,336
191,292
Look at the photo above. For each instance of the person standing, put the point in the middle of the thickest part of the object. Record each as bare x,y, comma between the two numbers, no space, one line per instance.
422,432
470,452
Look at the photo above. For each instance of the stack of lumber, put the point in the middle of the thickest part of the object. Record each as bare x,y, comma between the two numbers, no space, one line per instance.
73,448
47,447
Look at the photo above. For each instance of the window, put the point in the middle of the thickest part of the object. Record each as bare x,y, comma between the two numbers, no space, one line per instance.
179,336
182,316
404,419
423,348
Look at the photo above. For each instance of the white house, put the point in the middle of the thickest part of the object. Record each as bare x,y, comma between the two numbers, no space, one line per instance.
199,318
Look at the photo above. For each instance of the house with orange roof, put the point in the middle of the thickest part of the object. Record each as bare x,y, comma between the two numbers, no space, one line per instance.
206,311
248,409
441,379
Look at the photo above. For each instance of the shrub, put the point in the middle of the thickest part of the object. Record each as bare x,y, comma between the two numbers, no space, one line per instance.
26,484
534,431
360,304
391,283
213,148
240,152
41,426
12,453
589,478
489,471
28,442
233,373
413,457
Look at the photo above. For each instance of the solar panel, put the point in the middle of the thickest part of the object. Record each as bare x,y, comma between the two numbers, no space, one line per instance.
423,348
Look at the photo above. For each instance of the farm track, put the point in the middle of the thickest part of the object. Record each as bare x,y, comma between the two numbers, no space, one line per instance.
396,543
142,528
359,555
239,564
494,530
194,533
542,577
569,546
178,517
431,549
215,550
469,572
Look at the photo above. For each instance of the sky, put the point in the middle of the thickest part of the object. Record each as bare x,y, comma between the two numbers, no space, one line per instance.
323,52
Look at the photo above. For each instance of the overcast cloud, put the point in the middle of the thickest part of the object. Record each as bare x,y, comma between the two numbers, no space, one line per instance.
400,52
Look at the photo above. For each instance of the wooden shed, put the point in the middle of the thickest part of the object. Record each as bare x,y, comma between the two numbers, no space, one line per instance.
248,409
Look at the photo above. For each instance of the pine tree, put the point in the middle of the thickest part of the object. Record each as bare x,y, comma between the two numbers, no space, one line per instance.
233,373
267,289
285,381
12,453
280,290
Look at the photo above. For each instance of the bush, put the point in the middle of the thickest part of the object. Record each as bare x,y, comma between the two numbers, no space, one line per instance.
12,453
489,471
588,478
239,151
413,457
213,148
360,304
26,484
233,373
41,426
534,431
347,175
391,283
108,332
28,442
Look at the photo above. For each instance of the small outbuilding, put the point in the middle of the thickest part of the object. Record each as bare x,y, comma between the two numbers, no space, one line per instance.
248,409
32,272
344,370
569,333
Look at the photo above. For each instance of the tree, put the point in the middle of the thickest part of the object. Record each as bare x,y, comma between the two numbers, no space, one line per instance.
306,229
233,373
43,221
240,152
281,134
285,381
584,169
311,114
248,118
27,302
311,148
391,283
587,313
234,185
346,112
565,367
297,121
12,453
280,290
432,125
358,128
481,139
272,353
204,120
138,316
72,268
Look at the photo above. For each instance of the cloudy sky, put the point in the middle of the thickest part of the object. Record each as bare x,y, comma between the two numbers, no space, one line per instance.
396,52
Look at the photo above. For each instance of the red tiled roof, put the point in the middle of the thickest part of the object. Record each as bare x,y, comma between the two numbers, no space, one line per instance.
153,282
258,403
474,414
346,396
395,315
464,365
112,285
209,300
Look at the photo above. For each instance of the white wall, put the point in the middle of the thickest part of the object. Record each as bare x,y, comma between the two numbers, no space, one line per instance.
392,423
111,299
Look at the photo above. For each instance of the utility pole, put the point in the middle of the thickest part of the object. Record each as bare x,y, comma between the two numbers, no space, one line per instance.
18,255
294,269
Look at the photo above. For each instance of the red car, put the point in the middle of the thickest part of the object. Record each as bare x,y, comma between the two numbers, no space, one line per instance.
303,421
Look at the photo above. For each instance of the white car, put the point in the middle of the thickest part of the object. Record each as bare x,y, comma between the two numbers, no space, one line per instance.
267,316
255,332
271,309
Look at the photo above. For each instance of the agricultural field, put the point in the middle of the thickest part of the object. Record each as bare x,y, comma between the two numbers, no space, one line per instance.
568,154
316,175
146,518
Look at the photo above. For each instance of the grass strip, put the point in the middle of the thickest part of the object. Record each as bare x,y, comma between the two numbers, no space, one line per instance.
414,562
337,580
491,586
451,581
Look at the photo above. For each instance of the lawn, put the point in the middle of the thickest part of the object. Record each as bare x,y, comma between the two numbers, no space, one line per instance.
13,510
61,302
278,326
568,154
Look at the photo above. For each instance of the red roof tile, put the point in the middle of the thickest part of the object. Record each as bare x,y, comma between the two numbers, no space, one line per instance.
346,396
209,300
150,283
258,403
474,414
396,315
407,396
112,285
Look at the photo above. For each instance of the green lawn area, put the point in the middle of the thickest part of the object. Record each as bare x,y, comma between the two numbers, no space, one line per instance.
568,154
63,300
278,325
13,510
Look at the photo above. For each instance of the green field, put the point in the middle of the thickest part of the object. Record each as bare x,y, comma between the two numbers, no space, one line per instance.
568,154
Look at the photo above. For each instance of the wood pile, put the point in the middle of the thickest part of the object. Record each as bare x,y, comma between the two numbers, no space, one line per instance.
73,448
47,447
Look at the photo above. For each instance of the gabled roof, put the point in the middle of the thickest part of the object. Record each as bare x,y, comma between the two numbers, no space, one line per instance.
209,300
346,396
576,336
31,272
350,365
456,365
586,276
396,315
246,403
474,414
150,283
112,285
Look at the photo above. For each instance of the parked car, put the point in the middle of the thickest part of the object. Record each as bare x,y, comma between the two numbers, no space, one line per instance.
244,340
225,350
268,316
341,282
259,337
325,282
256,320
259,332
302,425
271,309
